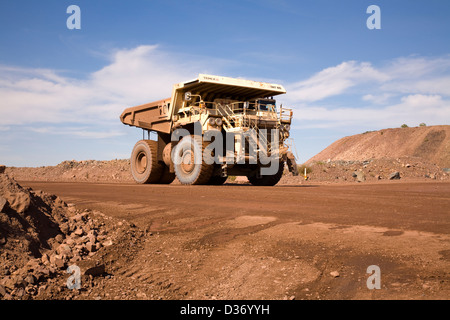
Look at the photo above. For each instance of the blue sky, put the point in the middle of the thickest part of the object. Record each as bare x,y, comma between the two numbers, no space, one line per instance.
62,91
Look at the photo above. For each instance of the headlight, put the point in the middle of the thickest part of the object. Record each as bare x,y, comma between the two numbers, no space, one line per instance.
212,121
287,127
219,121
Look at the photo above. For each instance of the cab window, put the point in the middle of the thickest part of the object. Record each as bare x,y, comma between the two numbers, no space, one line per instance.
266,105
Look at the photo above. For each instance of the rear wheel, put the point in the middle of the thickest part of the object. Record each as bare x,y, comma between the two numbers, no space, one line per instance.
190,167
145,167
267,180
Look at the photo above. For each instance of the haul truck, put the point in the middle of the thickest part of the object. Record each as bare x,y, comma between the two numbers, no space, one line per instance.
239,117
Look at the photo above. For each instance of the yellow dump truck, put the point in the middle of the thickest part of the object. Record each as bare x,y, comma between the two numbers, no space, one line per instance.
210,128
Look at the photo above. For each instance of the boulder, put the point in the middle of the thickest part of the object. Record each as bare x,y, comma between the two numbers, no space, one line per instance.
30,279
18,201
359,176
2,291
334,274
91,247
64,249
78,232
96,270
394,175
3,202
45,259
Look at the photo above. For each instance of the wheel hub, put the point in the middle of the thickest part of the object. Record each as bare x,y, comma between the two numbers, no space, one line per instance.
141,162
187,161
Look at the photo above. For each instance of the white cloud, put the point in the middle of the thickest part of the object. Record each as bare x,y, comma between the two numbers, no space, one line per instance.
414,67
141,75
134,76
377,99
412,110
434,85
335,80
82,132
408,75
406,90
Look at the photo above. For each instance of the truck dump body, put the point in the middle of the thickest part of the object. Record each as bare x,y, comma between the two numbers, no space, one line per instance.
150,116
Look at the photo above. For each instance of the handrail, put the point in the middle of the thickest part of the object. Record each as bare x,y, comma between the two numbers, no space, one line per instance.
285,114
291,145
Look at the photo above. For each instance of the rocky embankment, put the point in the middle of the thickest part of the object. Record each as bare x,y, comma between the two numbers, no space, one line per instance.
48,246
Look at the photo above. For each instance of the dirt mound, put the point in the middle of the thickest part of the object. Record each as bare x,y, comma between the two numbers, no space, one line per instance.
28,218
427,144
41,236
72,170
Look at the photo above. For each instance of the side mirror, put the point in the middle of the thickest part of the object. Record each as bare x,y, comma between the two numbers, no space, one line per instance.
187,96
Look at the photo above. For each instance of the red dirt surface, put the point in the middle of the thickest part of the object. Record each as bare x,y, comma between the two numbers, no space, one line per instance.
311,241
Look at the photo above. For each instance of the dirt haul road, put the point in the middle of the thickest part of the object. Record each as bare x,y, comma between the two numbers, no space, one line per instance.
284,242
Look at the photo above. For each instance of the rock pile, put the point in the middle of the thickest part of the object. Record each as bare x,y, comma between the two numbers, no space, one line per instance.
407,168
72,170
41,236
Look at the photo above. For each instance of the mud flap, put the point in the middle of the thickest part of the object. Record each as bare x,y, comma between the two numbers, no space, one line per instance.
292,164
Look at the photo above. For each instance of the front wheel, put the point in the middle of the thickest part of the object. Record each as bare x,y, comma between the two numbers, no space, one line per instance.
189,165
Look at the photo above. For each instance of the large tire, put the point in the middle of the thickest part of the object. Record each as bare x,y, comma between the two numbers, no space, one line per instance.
145,167
217,180
269,180
167,177
190,167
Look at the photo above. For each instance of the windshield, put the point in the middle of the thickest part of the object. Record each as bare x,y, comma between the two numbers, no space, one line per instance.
267,105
